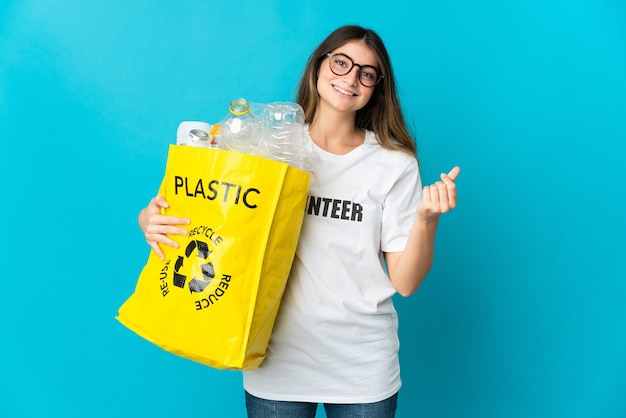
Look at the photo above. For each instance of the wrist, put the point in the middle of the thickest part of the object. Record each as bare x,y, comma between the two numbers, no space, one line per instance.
427,221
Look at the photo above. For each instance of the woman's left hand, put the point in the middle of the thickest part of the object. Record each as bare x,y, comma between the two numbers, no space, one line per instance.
439,197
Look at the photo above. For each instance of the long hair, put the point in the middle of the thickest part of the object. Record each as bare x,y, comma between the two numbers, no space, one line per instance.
382,114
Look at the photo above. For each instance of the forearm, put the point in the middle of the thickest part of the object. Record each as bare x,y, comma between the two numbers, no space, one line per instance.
408,269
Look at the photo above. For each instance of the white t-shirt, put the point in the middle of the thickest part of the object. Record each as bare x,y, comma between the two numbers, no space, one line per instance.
336,336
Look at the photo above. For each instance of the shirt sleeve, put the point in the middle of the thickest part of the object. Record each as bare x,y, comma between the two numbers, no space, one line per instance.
399,208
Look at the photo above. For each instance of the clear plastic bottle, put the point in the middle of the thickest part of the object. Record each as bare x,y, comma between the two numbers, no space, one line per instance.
285,135
238,130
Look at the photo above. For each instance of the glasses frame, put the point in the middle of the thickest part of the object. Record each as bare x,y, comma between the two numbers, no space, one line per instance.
330,55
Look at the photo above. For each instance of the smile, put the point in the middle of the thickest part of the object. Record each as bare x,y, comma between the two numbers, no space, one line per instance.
342,91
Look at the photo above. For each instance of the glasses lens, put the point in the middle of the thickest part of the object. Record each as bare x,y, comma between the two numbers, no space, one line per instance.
369,76
340,64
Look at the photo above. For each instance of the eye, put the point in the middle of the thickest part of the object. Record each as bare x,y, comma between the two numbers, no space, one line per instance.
340,62
367,75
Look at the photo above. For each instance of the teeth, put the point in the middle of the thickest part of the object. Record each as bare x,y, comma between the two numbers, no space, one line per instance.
346,92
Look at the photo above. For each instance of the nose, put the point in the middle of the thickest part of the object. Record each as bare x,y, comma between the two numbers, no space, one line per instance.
354,75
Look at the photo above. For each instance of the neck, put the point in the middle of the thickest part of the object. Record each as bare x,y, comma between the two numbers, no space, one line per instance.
336,132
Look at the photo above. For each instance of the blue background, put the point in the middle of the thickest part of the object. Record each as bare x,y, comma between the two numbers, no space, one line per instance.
523,314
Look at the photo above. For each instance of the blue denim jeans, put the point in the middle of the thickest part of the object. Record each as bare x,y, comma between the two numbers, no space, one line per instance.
263,408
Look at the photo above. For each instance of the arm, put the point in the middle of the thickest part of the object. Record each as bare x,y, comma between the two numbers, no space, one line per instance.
408,268
157,227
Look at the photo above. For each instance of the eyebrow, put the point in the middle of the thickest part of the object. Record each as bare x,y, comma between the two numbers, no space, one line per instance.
354,62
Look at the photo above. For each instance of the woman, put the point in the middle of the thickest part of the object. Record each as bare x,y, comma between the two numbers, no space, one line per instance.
335,340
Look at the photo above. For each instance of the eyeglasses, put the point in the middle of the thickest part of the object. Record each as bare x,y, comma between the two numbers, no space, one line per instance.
341,64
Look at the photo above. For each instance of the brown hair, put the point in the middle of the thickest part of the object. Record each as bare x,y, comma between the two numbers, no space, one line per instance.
382,114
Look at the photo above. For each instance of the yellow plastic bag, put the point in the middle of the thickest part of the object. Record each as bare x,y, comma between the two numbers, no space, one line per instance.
215,299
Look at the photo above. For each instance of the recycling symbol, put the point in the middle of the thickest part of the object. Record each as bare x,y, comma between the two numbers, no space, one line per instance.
196,285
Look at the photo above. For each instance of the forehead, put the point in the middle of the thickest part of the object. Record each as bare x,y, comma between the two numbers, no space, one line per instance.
359,52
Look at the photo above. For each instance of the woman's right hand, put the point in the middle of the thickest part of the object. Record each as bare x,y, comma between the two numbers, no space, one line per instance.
157,227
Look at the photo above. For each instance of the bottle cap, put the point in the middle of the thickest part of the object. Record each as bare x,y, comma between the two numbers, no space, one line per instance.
239,107
197,135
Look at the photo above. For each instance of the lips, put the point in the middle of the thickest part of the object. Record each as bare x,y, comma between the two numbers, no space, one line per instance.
343,91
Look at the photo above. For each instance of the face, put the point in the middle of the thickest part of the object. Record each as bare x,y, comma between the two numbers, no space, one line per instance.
344,92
